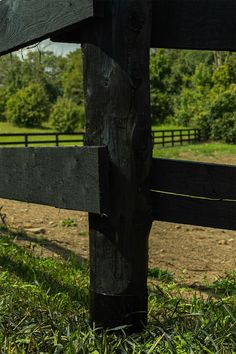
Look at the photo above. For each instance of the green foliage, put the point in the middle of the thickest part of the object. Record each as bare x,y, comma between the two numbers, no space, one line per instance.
160,274
68,222
3,101
72,77
28,107
66,116
218,122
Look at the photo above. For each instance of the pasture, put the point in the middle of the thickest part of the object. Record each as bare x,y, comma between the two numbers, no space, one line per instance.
44,282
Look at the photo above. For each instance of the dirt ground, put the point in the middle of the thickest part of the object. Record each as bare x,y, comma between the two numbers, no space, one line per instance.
192,254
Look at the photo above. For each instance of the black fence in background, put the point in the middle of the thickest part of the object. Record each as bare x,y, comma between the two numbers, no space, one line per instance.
175,137
164,138
31,139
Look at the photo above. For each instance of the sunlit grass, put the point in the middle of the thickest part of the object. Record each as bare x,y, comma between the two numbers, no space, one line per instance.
44,309
197,151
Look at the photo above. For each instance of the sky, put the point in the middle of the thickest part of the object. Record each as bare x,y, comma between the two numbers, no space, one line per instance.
57,48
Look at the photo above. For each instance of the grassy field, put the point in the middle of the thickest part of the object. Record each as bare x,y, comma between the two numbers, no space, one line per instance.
44,301
210,151
44,309
7,128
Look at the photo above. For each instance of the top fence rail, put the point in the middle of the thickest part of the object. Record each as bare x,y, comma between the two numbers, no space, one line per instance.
170,137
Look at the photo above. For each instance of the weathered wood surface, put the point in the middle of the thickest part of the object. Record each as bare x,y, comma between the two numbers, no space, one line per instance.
116,74
190,24
24,22
194,178
194,211
194,24
67,177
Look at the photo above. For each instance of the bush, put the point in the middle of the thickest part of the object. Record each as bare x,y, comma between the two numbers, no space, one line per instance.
28,107
3,101
225,128
66,115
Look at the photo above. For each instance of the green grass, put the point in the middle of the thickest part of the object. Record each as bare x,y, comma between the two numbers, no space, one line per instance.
44,309
168,127
210,150
7,128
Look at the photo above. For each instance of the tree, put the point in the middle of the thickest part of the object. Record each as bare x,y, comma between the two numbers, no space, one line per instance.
3,101
66,115
28,107
72,77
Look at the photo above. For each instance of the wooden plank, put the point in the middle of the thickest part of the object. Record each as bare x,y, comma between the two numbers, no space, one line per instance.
194,24
116,81
66,177
24,22
194,178
194,211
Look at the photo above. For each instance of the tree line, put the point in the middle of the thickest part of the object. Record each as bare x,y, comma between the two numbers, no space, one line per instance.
195,89
188,88
40,88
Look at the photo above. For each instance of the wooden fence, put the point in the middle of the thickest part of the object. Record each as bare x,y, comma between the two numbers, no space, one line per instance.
163,138
117,37
31,139
174,137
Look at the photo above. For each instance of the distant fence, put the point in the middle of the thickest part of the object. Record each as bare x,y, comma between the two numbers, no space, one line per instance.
171,137
174,137
31,139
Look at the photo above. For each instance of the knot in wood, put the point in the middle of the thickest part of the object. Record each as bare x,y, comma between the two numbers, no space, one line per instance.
136,16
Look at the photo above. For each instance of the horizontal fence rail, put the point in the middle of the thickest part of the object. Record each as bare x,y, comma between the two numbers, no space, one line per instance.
194,193
174,137
30,139
73,178
159,137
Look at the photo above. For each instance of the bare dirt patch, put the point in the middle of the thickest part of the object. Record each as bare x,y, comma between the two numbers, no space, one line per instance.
192,254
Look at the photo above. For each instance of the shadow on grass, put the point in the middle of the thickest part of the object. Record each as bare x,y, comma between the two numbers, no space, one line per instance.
31,269
78,261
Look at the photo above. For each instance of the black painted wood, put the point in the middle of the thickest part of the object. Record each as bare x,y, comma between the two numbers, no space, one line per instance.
24,22
190,24
194,211
68,178
116,74
194,24
194,178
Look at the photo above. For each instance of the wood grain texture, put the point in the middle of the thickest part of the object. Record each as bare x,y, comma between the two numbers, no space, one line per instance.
202,212
24,22
194,178
67,178
190,24
194,24
116,74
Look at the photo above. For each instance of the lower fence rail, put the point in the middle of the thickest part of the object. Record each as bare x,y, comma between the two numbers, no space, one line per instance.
194,193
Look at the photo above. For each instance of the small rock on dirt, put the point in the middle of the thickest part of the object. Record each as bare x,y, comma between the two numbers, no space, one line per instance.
36,230
223,242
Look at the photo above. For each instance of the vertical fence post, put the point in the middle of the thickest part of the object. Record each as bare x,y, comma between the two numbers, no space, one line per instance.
195,136
26,140
181,137
172,138
163,138
57,139
199,135
189,136
117,105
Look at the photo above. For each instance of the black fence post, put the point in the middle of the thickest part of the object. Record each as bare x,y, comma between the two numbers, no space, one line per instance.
181,137
57,139
117,101
26,140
